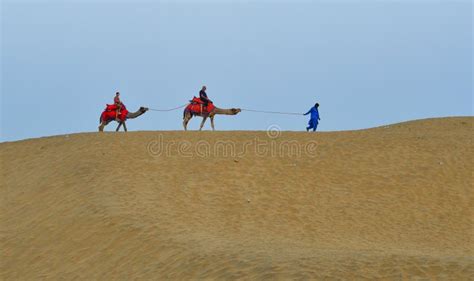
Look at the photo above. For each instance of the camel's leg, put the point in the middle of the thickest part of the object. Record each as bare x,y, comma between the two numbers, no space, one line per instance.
125,126
186,119
118,127
102,125
204,118
212,122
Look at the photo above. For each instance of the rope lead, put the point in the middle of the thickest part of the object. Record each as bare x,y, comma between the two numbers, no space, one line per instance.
271,112
162,110
243,109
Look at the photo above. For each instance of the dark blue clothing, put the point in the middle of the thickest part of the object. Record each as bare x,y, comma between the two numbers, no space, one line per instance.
203,97
314,121
202,94
314,113
313,124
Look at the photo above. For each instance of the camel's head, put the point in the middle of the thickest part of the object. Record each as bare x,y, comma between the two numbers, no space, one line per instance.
143,109
235,111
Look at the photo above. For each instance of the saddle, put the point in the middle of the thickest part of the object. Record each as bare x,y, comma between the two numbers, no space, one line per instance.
110,111
197,106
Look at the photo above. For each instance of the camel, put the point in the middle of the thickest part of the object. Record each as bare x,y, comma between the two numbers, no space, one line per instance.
130,115
217,111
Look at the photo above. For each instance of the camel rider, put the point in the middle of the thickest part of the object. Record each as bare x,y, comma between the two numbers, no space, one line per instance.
118,104
203,96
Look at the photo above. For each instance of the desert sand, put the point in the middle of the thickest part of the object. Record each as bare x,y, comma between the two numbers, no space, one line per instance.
388,203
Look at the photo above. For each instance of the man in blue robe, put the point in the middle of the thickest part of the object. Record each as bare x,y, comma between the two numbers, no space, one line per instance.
314,121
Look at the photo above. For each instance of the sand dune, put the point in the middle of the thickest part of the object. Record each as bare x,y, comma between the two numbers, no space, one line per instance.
389,203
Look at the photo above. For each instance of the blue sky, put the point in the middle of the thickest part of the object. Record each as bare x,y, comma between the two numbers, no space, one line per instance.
367,63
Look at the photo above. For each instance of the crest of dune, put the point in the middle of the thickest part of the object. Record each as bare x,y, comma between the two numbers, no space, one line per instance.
391,203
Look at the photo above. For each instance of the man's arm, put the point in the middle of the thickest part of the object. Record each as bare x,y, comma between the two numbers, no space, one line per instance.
307,112
203,96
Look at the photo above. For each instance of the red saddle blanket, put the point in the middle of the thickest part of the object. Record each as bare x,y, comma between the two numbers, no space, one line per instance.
110,112
197,106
